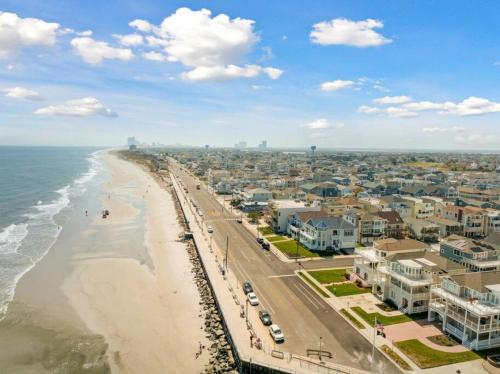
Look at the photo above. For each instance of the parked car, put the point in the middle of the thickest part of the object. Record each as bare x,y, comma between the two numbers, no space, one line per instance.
252,298
247,287
210,229
260,240
266,245
265,317
239,220
276,333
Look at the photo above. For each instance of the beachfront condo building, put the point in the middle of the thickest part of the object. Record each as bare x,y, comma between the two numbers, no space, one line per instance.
468,307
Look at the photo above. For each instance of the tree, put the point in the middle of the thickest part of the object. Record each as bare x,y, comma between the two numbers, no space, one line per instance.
235,202
254,216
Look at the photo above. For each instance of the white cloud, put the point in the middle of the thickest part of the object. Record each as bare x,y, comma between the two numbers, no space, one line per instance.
220,73
318,124
336,85
154,56
16,33
458,128
422,105
94,52
130,40
258,87
21,93
399,112
342,31
471,106
86,107
392,100
268,54
368,109
212,46
142,25
68,31
434,129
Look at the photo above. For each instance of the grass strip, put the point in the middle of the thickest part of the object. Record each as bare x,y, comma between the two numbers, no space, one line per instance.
425,357
351,318
329,276
385,320
313,285
396,358
347,289
294,249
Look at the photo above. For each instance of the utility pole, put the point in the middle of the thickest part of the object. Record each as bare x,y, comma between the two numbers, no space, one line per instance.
227,250
320,341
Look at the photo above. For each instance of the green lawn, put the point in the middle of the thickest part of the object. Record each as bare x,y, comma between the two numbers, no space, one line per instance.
351,318
275,238
266,230
329,276
396,358
347,289
313,285
385,320
290,249
425,357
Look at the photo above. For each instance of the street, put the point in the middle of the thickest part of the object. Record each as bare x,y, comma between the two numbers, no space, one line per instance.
302,315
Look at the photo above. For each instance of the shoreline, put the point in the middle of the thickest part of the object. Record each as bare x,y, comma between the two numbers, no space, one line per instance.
118,291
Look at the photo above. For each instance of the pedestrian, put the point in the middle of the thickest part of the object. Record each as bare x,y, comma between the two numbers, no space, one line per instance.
86,213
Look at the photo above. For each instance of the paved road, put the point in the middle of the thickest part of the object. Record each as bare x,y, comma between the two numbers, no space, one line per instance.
303,316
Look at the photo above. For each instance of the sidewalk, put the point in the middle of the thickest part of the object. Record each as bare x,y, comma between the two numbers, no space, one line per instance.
231,300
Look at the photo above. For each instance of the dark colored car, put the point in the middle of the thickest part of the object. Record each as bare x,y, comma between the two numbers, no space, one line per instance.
260,240
247,288
266,245
265,317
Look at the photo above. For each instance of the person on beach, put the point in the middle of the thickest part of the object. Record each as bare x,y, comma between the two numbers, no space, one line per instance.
86,213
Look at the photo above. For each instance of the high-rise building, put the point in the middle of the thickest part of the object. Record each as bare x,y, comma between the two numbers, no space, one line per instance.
132,141
240,145
263,145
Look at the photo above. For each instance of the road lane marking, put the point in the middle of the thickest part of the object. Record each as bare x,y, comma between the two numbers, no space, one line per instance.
282,276
304,292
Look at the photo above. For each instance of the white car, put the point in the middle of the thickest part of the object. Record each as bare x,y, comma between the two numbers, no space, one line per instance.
276,333
210,229
252,298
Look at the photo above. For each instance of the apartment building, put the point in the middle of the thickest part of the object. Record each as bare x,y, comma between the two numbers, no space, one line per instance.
492,221
446,226
468,307
422,229
474,255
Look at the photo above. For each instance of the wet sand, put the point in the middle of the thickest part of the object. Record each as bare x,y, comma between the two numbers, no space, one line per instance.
112,294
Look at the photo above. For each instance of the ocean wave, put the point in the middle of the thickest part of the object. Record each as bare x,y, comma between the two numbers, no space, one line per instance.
11,238
23,245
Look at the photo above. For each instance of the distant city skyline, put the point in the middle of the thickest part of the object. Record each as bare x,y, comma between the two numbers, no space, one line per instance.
342,75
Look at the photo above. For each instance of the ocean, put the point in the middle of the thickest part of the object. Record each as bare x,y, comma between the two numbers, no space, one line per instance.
37,184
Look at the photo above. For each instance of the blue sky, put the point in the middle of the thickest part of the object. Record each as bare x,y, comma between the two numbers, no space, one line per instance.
339,74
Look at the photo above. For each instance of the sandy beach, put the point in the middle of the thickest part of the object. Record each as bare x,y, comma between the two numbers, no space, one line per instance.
112,294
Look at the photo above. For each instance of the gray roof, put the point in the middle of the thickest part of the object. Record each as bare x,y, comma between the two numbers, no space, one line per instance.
330,223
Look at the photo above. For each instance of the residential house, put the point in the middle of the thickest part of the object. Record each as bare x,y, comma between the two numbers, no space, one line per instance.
369,226
474,255
404,279
328,233
423,230
365,266
446,226
395,227
468,307
280,210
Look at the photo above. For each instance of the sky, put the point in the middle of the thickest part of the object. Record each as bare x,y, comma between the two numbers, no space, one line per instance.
336,74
